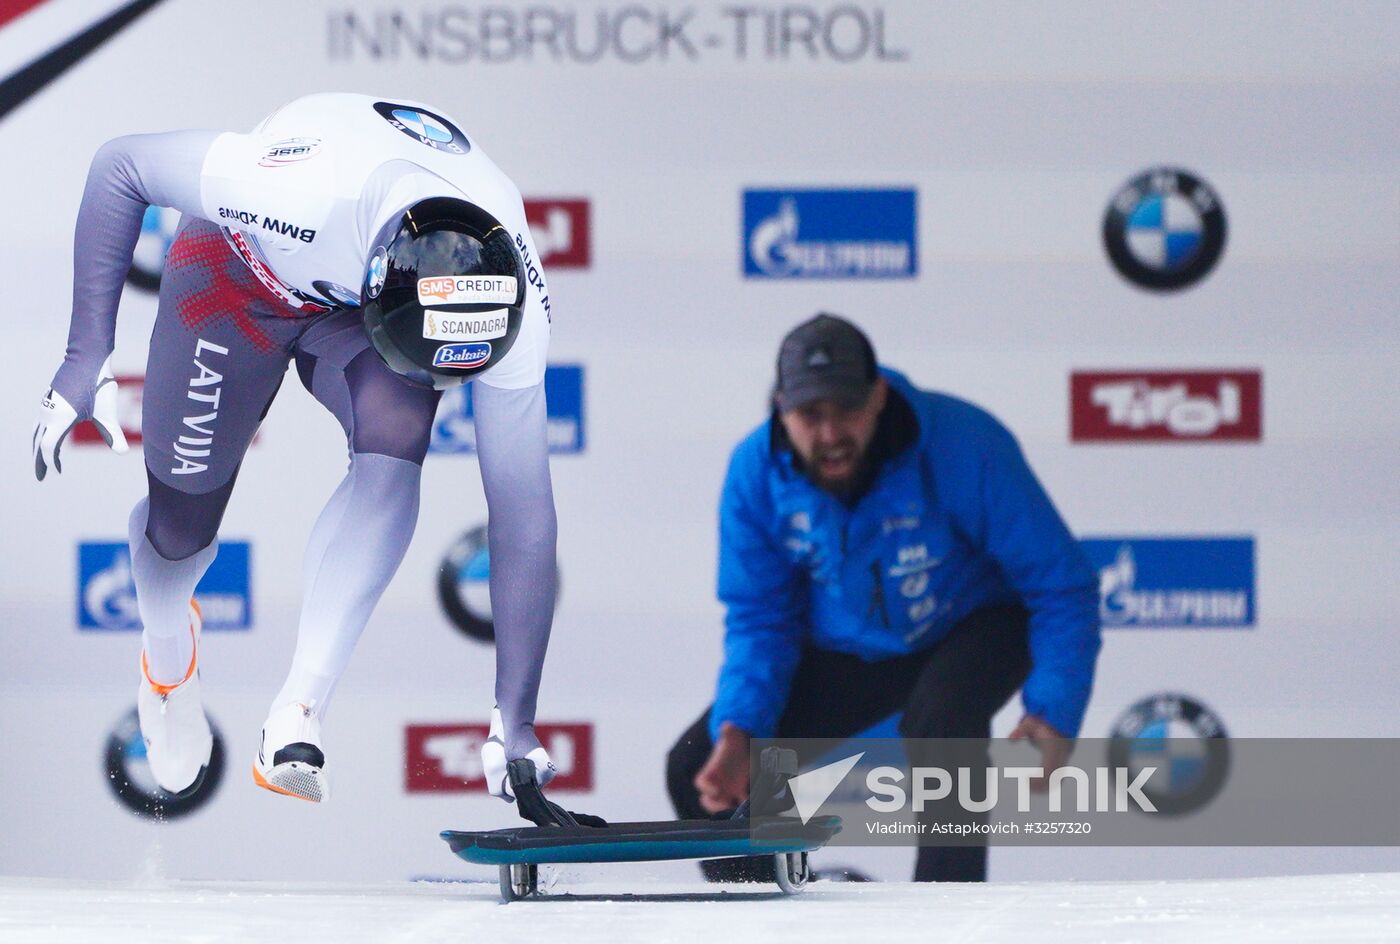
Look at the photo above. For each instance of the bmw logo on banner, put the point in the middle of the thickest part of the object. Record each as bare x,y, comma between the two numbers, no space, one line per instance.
1184,740
1164,229
831,234
129,775
464,585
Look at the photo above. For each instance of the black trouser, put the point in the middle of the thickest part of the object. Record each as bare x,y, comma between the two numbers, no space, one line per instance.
949,691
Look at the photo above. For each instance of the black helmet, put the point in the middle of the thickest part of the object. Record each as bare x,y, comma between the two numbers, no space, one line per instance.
444,292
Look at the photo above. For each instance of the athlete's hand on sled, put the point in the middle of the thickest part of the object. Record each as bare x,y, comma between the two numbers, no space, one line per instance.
1054,747
522,744
724,780
57,417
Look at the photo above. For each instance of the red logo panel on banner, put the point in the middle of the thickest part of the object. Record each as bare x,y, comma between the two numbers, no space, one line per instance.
560,229
1166,406
446,758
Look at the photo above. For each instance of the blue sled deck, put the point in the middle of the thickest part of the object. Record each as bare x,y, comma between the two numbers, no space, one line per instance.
642,842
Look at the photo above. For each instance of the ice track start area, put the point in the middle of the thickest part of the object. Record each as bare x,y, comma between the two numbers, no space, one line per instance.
1299,908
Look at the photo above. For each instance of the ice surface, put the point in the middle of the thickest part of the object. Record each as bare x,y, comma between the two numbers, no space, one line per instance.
585,907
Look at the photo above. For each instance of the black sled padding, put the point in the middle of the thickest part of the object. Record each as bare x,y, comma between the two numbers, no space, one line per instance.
770,795
533,805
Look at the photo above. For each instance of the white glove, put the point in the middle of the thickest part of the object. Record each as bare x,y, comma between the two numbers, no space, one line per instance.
57,417
493,761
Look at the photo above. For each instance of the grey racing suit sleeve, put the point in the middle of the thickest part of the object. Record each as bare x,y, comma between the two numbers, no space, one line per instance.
513,450
127,175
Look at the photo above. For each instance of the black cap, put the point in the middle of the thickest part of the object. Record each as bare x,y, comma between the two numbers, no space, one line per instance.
825,358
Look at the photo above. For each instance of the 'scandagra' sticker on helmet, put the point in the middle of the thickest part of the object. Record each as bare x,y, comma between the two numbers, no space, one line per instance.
467,290
475,326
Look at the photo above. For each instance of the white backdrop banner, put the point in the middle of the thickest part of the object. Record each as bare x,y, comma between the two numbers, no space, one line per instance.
1160,243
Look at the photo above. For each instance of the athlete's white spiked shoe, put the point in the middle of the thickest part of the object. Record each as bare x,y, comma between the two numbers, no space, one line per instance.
289,758
173,725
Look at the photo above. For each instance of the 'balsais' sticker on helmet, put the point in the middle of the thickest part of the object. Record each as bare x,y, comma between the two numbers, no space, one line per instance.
463,356
477,326
467,290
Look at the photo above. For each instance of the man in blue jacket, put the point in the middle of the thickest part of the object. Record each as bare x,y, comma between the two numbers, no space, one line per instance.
885,549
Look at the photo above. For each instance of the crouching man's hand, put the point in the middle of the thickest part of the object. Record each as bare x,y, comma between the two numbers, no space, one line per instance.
1054,747
724,780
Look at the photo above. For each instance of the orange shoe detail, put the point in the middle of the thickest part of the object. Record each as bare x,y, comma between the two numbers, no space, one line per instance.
261,781
163,690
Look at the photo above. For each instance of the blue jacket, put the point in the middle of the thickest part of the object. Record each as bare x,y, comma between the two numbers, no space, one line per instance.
953,523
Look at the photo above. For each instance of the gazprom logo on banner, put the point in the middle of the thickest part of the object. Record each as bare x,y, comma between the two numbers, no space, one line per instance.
1155,583
455,432
831,234
107,594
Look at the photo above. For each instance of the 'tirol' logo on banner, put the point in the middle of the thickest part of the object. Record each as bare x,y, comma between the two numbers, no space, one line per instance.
1166,406
446,758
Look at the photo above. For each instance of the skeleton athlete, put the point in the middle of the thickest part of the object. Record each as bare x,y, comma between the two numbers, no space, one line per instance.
370,242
